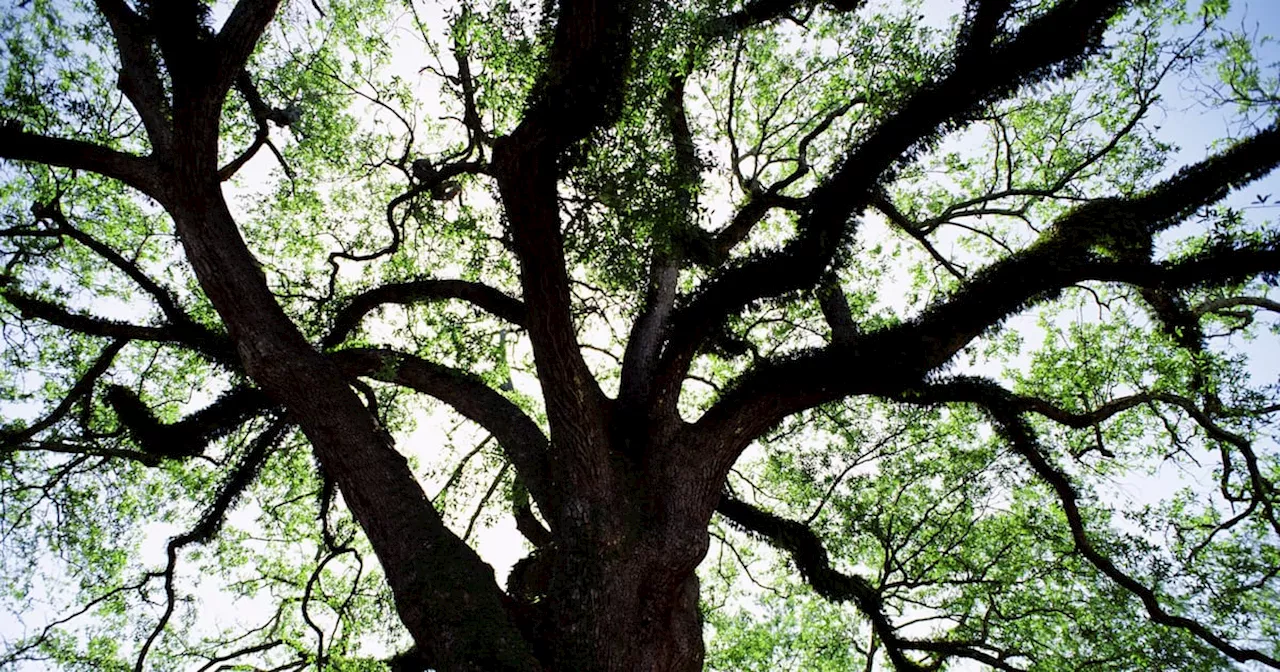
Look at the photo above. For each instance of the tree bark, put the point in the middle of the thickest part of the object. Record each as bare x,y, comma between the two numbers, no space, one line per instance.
444,592
621,592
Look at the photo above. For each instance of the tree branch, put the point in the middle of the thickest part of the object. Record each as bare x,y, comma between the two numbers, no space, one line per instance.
191,435
586,70
835,309
521,439
208,343
262,114
230,491
165,299
891,212
1217,305
482,296
810,557
1063,257
526,522
136,171
237,39
580,90
139,78
32,308
82,386
900,356
760,12
645,339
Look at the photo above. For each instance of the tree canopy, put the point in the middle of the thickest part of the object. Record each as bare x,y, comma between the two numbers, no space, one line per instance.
789,335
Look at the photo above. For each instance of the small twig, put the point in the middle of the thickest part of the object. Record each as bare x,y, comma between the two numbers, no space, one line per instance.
485,500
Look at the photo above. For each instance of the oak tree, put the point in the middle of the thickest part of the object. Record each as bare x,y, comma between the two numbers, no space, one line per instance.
792,335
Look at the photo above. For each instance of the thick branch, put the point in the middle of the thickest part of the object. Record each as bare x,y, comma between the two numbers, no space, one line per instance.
421,291
586,70
1122,228
760,12
580,90
902,354
139,78
237,39
191,435
835,309
135,171
32,308
645,340
445,594
210,344
520,437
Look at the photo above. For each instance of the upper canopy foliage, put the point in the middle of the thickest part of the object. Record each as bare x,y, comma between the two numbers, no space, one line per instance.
951,307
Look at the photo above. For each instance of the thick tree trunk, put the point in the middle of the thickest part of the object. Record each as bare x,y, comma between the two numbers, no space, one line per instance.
623,613
617,588
628,611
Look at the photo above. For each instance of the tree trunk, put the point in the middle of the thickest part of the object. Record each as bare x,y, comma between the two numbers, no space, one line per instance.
616,588
631,609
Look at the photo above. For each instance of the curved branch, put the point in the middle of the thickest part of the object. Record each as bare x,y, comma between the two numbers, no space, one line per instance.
187,437
438,178
810,557
422,291
1216,305
912,229
527,523
521,438
645,340
211,522
262,114
17,656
